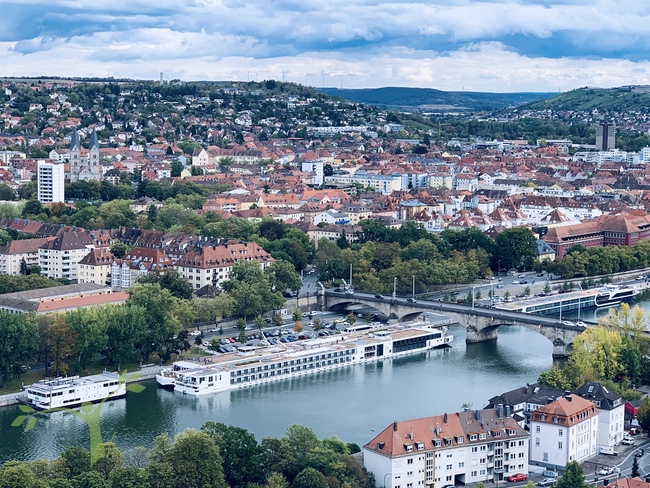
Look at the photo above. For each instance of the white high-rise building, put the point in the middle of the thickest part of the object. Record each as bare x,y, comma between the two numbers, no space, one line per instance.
316,168
51,182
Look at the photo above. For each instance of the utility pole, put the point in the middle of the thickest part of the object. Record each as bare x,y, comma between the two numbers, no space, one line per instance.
414,287
394,287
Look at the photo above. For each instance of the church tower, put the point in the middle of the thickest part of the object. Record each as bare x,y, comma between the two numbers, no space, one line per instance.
93,157
75,156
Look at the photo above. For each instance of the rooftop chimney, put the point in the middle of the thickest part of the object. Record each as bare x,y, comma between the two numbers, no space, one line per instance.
395,426
478,415
500,410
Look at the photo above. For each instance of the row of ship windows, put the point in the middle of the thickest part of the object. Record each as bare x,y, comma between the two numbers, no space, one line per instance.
293,362
280,372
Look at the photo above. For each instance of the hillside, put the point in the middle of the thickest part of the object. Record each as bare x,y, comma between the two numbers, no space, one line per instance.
428,99
620,99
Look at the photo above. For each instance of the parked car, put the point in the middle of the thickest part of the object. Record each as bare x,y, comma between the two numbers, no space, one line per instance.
627,442
517,477
639,452
195,333
605,471
568,322
634,431
547,482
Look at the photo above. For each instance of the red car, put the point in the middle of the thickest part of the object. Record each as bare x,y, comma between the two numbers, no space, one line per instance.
517,477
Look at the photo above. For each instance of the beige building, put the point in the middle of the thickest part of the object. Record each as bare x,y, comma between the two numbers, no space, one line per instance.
95,267
59,258
138,262
211,265
12,254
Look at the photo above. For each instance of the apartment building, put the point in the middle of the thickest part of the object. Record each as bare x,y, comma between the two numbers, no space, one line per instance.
95,267
211,265
138,262
456,449
50,182
611,419
59,258
14,252
385,184
563,431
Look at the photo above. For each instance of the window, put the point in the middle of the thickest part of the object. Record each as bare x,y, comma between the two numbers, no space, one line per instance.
461,465
559,446
474,473
537,441
537,429
474,449
449,466
409,461
560,432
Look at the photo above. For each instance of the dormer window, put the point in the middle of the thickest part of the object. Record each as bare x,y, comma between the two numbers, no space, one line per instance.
408,447
419,445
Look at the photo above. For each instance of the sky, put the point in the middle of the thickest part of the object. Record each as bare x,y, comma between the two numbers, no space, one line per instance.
470,45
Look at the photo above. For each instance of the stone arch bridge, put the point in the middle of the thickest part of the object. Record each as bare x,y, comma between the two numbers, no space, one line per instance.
481,323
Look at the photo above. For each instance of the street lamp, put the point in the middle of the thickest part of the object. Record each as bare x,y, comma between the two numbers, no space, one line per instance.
394,287
413,287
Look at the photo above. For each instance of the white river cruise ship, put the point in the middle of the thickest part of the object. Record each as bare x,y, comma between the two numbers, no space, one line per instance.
72,391
253,365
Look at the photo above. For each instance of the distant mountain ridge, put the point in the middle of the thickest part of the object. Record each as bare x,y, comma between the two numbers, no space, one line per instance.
429,99
619,99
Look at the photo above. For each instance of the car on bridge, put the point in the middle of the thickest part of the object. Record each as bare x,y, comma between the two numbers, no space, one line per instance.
411,300
381,297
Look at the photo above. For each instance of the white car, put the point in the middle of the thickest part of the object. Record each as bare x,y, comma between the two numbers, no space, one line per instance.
568,322
580,323
195,333
627,442
605,471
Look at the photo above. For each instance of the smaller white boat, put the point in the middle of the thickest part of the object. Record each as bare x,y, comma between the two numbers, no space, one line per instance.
72,391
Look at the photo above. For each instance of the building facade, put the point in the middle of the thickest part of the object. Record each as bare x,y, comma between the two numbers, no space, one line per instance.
455,449
211,265
564,430
50,181
59,258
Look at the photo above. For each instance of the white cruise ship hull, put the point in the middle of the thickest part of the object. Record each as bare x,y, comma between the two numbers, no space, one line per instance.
309,358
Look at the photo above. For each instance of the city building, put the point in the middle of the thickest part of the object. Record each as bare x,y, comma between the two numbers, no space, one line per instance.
50,182
605,136
564,430
95,267
84,166
60,298
211,265
611,419
316,170
138,262
16,251
451,449
59,257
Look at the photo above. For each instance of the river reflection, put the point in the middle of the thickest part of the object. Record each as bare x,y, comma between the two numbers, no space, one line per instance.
352,402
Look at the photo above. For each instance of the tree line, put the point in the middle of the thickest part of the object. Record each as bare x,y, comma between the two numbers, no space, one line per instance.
216,456
595,261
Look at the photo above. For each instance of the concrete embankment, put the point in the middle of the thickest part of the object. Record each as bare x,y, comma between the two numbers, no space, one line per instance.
144,373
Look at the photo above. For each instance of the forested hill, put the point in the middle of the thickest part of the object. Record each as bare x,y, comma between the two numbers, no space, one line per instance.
397,98
619,99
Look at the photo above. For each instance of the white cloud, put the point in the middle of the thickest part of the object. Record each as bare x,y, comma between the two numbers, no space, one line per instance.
494,45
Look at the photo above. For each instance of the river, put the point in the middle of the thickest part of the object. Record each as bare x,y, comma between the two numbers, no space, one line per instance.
353,403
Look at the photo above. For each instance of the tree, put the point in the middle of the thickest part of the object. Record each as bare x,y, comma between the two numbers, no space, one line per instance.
177,167
573,477
527,291
162,325
152,213
296,316
635,468
297,327
239,451
516,247
506,295
126,331
251,290
547,288
15,474
196,461
282,276
554,378
351,318
170,280
309,478
6,193
119,249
